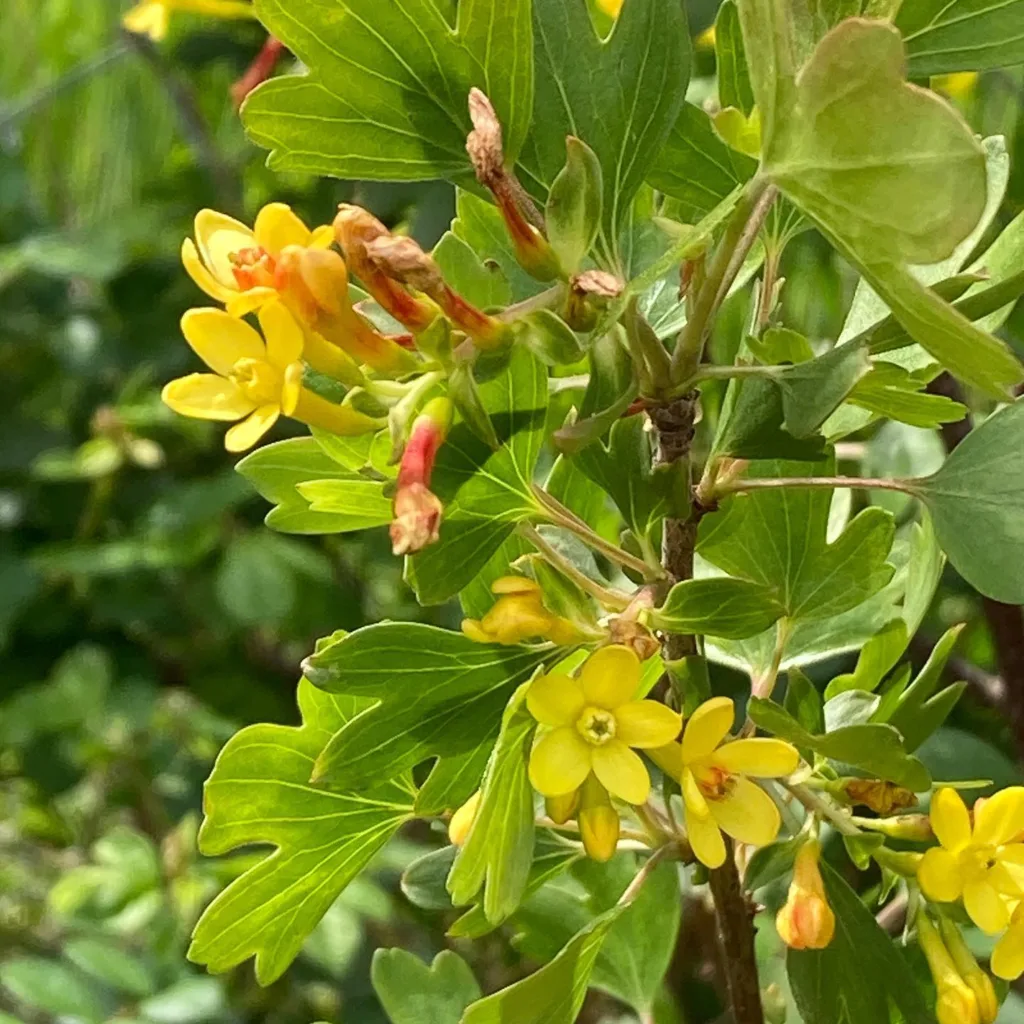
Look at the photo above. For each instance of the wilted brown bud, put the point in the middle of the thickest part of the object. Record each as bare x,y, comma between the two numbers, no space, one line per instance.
402,259
598,282
882,797
484,144
630,633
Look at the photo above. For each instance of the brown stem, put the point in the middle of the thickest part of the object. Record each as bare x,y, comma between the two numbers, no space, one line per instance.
1005,621
674,422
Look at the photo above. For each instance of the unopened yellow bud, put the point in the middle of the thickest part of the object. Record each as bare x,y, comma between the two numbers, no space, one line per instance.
519,614
561,808
462,820
807,920
956,1003
967,967
598,820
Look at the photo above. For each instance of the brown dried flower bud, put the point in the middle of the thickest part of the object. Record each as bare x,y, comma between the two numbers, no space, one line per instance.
599,283
484,144
402,259
632,634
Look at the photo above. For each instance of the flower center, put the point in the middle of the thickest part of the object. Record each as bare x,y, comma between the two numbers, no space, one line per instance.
714,782
259,381
253,268
596,726
977,861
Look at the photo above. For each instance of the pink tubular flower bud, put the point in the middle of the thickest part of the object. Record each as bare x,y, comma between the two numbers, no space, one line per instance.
417,511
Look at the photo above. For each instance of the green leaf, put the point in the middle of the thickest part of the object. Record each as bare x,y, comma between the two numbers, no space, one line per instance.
777,537
890,169
976,499
498,852
573,212
621,96
718,606
623,470
876,658
891,391
812,390
548,337
892,175
452,781
386,95
861,847
254,586
943,37
51,987
349,452
874,747
275,470
189,1001
485,492
259,792
924,570
769,863
438,694
480,283
413,993
696,168
734,89
555,993
423,880
357,504
861,977
803,701
109,963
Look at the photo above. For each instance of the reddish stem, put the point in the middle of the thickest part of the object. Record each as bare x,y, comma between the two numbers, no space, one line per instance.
261,68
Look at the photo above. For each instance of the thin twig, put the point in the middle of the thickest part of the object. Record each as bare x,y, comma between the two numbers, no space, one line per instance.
632,890
190,118
832,482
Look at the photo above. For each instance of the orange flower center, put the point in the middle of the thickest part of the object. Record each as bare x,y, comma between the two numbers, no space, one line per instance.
596,726
714,782
253,268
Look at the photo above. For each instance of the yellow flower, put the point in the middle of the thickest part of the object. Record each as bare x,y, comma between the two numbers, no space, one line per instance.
956,1003
715,778
979,863
237,265
807,921
594,722
610,7
253,381
519,614
1008,956
150,18
462,820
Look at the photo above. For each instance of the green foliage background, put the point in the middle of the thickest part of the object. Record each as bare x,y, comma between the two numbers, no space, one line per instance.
145,614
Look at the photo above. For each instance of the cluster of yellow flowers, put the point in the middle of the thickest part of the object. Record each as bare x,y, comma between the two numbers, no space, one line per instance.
981,862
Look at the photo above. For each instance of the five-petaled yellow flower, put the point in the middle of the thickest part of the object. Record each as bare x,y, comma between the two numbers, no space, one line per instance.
594,722
253,381
151,17
981,863
237,265
715,778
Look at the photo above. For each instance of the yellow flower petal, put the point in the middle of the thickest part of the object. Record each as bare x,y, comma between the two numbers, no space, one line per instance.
669,759
696,802
473,629
282,333
220,340
622,772
705,840
1011,869
242,436
1000,818
762,758
277,226
196,269
707,727
747,813
514,585
939,875
218,236
147,19
555,700
322,237
646,723
206,396
291,388
243,303
985,907
610,676
1008,956
950,820
599,830
559,762
342,420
